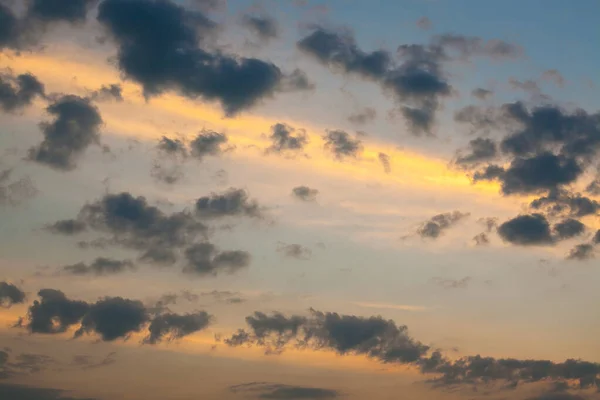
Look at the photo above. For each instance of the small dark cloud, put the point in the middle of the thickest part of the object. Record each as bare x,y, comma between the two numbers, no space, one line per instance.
342,145
113,92
232,202
453,283
263,26
294,250
14,192
305,193
165,47
481,239
99,267
172,146
209,143
568,228
171,326
19,92
278,391
206,259
424,23
295,81
435,226
481,94
524,230
562,202
469,46
67,227
10,294
584,251
368,114
76,126
384,159
285,138
479,149
596,238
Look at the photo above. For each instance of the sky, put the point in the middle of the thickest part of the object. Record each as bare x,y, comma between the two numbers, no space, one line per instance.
221,200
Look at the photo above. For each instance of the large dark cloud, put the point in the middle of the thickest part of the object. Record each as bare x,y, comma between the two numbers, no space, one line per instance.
345,334
342,145
10,294
99,267
164,46
437,224
53,313
285,138
110,318
530,229
232,202
171,326
18,92
278,391
387,342
206,259
76,126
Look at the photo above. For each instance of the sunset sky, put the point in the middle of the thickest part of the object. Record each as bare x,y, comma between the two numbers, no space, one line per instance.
221,200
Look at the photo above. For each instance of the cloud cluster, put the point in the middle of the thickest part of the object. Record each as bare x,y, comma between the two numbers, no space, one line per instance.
110,318
17,92
342,145
286,139
437,224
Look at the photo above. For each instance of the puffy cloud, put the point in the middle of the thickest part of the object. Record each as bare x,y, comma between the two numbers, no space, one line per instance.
67,227
76,126
583,251
285,138
18,92
113,91
174,326
53,313
208,143
232,202
342,145
439,223
562,202
480,149
10,294
530,229
164,46
113,318
568,228
205,259
305,193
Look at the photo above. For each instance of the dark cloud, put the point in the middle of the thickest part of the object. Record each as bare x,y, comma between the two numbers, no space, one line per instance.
530,229
67,227
345,334
439,223
73,11
294,250
481,93
113,318
596,238
172,146
14,192
342,145
297,80
163,46
21,392
208,143
9,27
53,313
205,259
384,159
305,193
562,202
19,92
417,83
480,149
278,391
481,239
100,266
113,91
76,126
171,326
10,294
584,251
368,114
232,202
285,138
469,46
263,26
568,228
